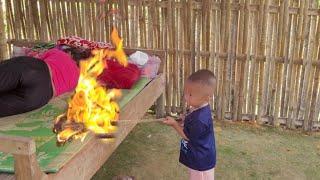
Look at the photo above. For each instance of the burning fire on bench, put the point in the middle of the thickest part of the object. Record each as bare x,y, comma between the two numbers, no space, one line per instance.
92,108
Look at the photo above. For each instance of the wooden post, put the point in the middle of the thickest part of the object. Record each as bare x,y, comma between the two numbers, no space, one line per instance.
24,152
160,110
3,42
26,167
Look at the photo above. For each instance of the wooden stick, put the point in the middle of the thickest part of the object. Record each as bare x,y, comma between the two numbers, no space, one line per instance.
137,120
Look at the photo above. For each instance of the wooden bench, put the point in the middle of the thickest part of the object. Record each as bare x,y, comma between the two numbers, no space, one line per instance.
96,151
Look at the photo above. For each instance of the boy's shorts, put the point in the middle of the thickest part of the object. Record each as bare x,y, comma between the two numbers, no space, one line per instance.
201,175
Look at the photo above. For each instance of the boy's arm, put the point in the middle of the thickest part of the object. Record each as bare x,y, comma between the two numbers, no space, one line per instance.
179,130
171,122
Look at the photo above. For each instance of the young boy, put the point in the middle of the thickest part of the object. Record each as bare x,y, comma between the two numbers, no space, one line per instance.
197,150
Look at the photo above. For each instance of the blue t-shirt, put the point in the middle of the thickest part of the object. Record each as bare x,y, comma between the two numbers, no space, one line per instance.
199,153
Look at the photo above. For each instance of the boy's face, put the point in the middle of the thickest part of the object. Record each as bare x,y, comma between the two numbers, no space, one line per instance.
196,94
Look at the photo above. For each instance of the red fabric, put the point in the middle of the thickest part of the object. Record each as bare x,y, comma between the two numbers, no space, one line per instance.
75,41
117,76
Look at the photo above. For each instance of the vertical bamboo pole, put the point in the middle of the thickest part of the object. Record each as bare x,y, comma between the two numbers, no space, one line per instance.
307,86
293,105
272,81
253,70
82,9
98,21
227,68
43,27
222,91
3,42
232,58
89,20
49,19
192,36
125,16
136,40
279,66
150,24
72,18
244,49
21,18
141,23
80,26
58,19
197,38
212,48
291,71
155,24
315,104
29,20
131,26
160,111
265,44
176,60
9,17
186,29
171,33
82,20
205,27
16,21
179,60
213,52
304,83
92,19
162,45
263,16
54,22
284,53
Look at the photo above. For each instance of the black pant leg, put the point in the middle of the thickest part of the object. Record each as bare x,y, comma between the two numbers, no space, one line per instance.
33,91
9,76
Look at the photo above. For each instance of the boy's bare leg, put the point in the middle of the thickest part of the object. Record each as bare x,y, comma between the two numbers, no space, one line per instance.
201,175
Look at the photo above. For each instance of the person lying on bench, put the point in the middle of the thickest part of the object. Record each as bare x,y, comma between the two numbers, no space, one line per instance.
28,83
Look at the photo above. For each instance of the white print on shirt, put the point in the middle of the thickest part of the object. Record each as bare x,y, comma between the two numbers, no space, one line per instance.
184,145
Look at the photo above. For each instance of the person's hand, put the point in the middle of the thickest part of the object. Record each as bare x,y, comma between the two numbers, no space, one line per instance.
170,121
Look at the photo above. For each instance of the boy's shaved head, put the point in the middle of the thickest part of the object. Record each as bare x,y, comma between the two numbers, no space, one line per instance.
204,77
199,88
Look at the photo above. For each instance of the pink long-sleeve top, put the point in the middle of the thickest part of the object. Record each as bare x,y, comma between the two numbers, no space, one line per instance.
63,69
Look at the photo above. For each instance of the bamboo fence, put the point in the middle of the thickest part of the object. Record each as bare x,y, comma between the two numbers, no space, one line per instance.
264,53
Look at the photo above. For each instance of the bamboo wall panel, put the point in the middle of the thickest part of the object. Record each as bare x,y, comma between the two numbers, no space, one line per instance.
264,53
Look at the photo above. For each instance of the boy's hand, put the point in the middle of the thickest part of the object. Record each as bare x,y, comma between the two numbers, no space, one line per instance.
170,121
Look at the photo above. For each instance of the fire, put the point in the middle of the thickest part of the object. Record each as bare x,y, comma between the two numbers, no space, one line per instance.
92,107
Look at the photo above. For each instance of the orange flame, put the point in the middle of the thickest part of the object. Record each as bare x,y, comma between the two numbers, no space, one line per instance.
92,105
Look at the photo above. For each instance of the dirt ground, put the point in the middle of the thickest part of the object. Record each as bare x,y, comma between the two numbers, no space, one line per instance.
244,151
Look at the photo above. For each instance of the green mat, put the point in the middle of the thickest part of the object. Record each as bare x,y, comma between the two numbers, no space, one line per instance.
38,125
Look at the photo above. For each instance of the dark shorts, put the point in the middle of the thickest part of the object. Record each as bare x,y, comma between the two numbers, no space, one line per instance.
25,85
